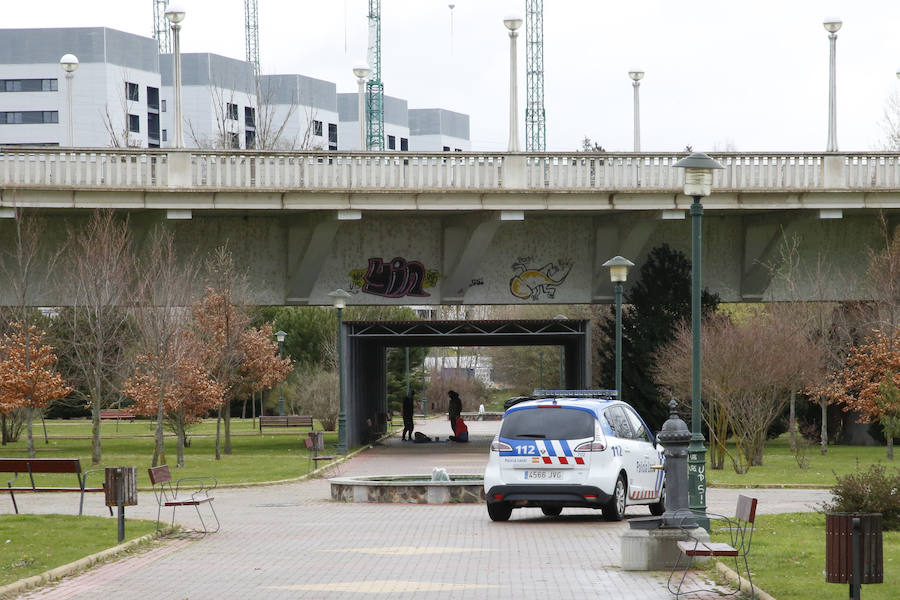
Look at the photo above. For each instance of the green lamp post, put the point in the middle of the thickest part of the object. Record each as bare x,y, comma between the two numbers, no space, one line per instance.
698,177
618,273
339,300
280,335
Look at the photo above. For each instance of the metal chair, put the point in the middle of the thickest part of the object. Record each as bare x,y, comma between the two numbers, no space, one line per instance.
168,495
740,530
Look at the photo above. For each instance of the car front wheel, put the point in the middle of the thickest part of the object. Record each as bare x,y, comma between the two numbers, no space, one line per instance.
499,511
614,510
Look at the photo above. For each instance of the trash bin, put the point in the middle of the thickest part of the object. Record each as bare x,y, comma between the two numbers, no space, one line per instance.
128,482
318,440
839,548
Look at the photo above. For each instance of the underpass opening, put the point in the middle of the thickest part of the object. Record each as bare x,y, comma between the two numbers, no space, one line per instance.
364,346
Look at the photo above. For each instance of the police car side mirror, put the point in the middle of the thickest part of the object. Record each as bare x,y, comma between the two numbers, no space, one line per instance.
656,441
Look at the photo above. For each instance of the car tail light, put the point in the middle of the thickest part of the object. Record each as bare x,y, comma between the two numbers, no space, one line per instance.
498,446
591,497
597,445
498,496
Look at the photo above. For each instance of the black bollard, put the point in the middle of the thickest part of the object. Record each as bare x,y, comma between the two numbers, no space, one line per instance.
676,436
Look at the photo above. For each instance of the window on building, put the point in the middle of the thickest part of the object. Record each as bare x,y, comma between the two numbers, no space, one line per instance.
165,135
231,111
153,98
249,117
404,144
446,148
250,136
392,143
332,146
457,149
162,105
29,117
234,140
28,85
131,92
332,135
317,127
152,126
134,123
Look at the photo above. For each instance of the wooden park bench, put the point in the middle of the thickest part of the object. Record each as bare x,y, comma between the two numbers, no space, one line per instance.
34,466
117,414
740,529
180,494
285,421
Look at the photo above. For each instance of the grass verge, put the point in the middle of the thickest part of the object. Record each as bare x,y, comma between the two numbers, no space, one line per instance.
275,455
787,559
32,544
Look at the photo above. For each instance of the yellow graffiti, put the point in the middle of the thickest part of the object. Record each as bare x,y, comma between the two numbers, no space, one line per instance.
532,283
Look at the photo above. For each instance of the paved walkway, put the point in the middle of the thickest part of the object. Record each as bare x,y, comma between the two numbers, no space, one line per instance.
292,541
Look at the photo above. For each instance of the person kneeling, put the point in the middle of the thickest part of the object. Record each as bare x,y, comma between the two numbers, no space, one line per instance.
460,431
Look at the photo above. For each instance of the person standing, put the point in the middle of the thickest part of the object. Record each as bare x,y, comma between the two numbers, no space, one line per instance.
407,417
454,409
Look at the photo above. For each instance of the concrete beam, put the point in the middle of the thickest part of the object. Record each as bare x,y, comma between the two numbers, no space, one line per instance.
309,240
628,240
465,245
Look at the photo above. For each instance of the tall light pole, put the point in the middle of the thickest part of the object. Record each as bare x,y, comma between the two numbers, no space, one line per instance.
175,15
618,274
636,76
339,300
832,26
698,176
69,62
362,73
513,23
280,335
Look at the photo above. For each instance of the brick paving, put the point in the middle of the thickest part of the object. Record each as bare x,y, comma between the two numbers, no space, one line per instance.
292,541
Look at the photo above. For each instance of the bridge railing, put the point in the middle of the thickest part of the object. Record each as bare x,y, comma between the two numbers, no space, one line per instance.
604,172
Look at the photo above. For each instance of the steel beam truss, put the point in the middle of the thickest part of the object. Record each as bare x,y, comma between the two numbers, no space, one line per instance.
535,122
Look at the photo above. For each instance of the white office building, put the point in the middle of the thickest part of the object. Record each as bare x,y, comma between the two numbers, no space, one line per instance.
438,129
297,112
396,122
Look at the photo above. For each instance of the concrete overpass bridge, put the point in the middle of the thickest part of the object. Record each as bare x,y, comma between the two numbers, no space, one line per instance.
471,228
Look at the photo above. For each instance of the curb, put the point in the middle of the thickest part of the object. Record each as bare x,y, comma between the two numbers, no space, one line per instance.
17,587
742,583
771,486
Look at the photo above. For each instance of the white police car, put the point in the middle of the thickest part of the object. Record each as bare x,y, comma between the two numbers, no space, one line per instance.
578,448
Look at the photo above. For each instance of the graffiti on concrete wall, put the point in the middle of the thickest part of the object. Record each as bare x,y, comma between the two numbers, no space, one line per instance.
534,283
395,279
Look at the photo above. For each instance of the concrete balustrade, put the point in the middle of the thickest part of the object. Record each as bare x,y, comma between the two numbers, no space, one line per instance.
201,170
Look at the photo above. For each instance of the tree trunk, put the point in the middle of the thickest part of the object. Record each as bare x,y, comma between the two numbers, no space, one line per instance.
244,409
218,434
28,422
824,434
96,398
159,446
890,446
227,415
3,430
792,424
179,428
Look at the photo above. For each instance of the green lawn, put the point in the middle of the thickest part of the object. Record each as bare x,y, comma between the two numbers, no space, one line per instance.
276,454
32,544
780,466
787,558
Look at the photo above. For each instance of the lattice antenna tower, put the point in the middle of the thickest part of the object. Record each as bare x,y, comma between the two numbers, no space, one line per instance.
161,26
251,34
374,87
535,118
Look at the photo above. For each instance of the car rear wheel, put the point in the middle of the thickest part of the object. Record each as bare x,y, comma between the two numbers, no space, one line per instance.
614,510
499,511
658,508
551,511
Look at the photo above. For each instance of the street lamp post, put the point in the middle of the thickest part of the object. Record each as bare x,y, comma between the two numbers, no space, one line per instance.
362,72
832,26
175,15
69,62
280,335
698,176
618,274
339,300
513,23
636,76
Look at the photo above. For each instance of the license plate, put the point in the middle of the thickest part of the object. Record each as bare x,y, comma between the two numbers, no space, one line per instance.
543,474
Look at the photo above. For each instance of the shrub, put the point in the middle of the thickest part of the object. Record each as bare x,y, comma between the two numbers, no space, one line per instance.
875,490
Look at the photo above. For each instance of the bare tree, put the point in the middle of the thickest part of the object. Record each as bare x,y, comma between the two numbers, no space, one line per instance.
118,126
26,265
100,276
890,123
162,316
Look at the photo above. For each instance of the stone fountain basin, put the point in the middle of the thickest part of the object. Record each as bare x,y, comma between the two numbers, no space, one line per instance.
408,489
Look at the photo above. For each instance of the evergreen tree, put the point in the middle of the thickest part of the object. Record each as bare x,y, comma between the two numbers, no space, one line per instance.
658,300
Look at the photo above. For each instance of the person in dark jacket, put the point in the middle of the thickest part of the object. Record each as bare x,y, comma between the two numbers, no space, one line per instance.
454,409
407,417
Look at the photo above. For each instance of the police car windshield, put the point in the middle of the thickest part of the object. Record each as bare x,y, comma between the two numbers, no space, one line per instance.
545,423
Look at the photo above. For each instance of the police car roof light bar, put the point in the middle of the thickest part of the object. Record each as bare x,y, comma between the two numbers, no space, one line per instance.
604,394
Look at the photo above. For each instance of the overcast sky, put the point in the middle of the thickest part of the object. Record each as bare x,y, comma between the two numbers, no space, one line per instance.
720,74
